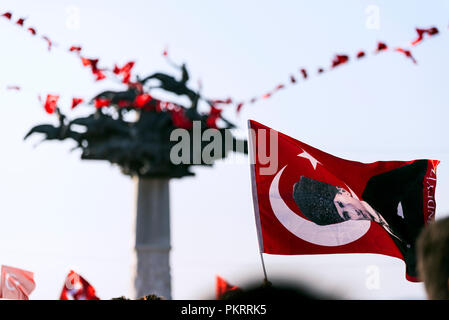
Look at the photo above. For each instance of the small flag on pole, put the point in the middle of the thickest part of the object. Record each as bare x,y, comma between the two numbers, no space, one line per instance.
222,287
16,283
77,288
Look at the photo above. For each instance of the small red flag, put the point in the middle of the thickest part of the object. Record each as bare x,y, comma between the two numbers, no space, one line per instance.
76,101
20,21
213,117
142,100
360,54
75,49
407,53
279,87
221,287
77,288
49,42
239,107
89,62
7,15
266,95
32,30
92,63
16,283
180,118
307,201
124,71
292,79
101,102
99,75
421,32
381,47
339,59
51,103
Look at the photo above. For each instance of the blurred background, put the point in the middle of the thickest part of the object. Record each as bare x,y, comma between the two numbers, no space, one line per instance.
58,212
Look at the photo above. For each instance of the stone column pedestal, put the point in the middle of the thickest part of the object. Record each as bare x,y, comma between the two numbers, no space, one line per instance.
151,265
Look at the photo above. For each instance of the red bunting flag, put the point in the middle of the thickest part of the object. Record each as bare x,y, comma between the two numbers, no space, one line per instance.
7,15
51,103
279,87
266,95
381,47
304,73
99,75
32,30
407,53
49,42
360,54
124,71
180,119
239,107
292,79
75,49
92,63
101,102
213,117
16,283
89,62
142,100
339,59
307,201
76,102
20,21
222,286
421,32
77,288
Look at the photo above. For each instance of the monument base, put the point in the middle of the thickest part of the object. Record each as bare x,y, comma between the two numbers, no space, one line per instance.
151,265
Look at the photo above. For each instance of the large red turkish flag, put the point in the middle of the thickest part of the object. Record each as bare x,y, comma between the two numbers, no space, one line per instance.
307,201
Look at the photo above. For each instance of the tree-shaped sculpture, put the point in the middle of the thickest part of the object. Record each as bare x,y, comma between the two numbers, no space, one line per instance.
132,129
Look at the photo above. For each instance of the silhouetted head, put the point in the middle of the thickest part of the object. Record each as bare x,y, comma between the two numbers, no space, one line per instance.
278,292
151,297
433,258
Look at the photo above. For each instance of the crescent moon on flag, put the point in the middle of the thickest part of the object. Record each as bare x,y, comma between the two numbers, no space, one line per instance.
7,283
332,235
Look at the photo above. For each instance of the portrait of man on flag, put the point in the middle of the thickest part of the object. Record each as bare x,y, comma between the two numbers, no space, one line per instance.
388,194
326,204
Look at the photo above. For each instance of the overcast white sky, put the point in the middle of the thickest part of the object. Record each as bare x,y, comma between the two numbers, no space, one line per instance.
59,212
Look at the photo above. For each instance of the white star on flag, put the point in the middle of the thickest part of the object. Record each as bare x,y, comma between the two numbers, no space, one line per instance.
312,160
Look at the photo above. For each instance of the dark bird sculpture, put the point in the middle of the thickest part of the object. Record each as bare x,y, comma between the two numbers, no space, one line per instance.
116,96
51,132
170,84
142,146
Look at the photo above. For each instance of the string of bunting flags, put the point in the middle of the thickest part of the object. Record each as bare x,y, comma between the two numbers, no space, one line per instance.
124,73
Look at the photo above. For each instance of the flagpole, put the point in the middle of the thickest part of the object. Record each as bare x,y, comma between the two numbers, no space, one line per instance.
263,267
252,158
